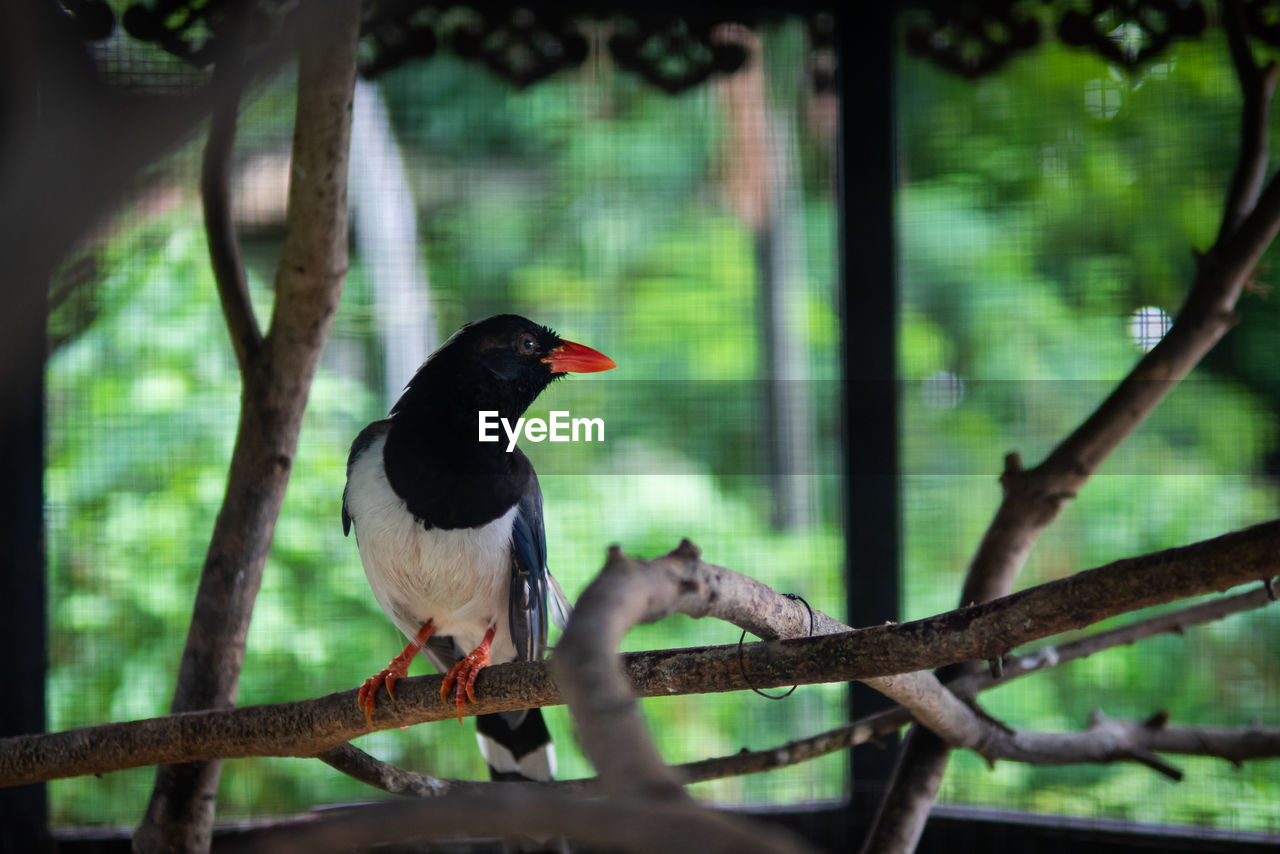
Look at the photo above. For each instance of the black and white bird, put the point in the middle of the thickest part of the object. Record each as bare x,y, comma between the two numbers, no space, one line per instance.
450,528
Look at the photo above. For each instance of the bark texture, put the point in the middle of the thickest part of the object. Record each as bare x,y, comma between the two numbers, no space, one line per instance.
277,370
982,632
1034,497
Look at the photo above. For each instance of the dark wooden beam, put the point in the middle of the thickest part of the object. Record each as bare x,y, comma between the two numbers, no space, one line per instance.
868,312
23,810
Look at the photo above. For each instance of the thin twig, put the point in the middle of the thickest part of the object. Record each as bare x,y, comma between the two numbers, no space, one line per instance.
354,762
1108,740
219,226
1257,86
357,764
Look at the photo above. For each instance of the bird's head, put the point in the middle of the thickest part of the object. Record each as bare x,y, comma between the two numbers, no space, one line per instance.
503,362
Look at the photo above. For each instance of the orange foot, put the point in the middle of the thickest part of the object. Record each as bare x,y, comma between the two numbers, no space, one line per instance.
465,673
366,698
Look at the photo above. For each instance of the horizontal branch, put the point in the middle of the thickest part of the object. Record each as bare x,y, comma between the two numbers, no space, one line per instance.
613,824
982,632
356,763
527,808
1116,741
1108,740
872,728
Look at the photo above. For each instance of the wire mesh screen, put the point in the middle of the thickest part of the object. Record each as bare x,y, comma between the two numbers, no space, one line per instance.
1047,216
653,227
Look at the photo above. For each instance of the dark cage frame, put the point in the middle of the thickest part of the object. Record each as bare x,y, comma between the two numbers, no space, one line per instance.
671,46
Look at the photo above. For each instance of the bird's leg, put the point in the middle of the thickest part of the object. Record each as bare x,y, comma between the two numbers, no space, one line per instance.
397,669
466,671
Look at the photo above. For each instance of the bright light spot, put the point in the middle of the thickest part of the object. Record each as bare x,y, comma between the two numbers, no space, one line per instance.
1148,325
943,390
1161,70
1102,97
1129,37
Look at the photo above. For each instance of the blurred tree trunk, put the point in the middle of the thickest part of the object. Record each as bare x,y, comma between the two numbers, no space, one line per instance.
762,188
277,369
386,228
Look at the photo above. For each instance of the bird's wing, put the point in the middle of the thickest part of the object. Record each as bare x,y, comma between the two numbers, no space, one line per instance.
527,607
561,610
361,444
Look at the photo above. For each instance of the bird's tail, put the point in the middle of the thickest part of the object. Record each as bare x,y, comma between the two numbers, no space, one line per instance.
517,746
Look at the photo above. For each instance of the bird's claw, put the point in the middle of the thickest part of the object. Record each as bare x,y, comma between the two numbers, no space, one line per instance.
366,698
464,674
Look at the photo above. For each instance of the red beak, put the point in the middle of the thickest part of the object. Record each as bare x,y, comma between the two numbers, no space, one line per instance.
578,358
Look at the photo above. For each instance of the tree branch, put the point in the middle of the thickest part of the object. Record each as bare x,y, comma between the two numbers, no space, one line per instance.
628,824
630,591
224,246
1033,498
1233,745
1107,743
354,762
1108,740
1257,86
871,728
982,632
609,723
74,146
277,378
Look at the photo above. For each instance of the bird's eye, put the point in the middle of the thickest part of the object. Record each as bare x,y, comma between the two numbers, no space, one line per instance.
527,343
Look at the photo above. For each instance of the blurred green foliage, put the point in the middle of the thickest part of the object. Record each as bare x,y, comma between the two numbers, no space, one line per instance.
591,204
1039,209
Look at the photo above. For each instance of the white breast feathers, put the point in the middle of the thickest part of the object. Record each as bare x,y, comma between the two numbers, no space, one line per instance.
460,578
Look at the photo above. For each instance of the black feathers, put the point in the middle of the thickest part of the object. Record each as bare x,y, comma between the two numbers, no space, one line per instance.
450,527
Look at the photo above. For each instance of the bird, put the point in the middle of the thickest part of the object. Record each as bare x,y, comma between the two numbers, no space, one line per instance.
450,528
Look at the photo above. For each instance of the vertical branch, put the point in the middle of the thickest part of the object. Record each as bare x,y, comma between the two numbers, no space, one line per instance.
277,378
1034,497
1257,86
